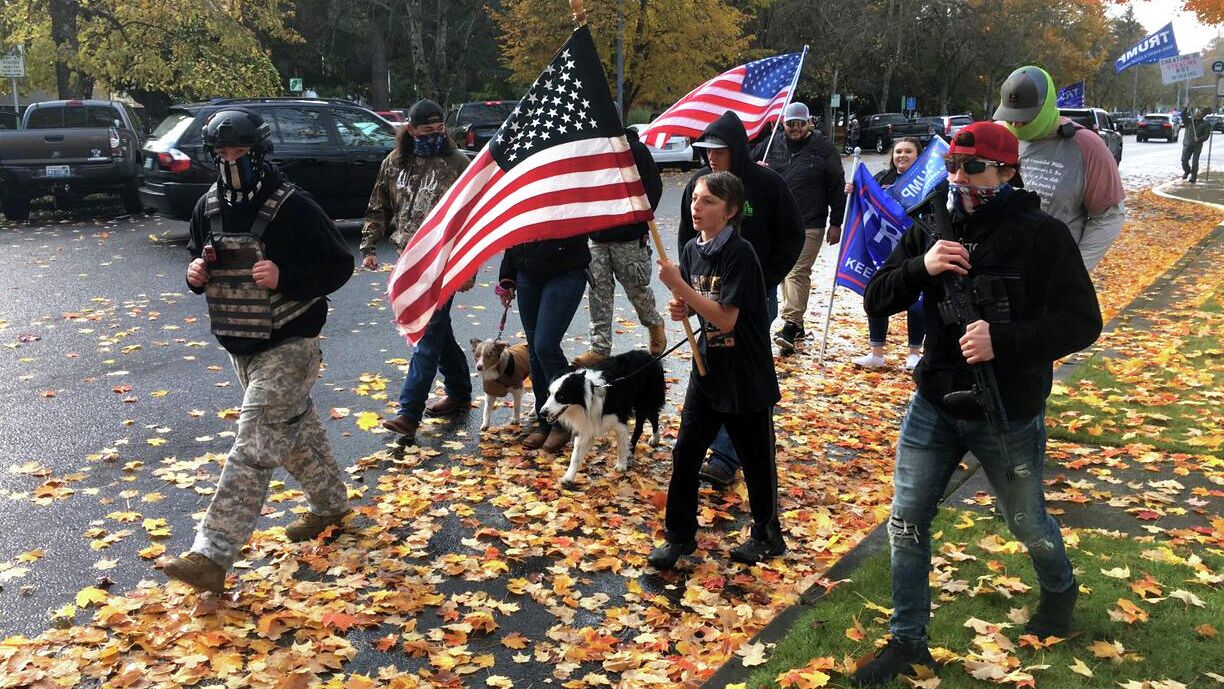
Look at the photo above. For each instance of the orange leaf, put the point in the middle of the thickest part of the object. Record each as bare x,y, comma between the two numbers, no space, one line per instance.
339,620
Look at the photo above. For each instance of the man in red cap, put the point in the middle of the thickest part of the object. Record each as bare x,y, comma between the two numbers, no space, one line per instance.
1022,270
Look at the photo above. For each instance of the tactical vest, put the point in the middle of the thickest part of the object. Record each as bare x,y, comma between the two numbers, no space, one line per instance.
237,307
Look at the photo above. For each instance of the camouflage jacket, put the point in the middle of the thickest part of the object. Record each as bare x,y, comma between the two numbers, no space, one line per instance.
403,196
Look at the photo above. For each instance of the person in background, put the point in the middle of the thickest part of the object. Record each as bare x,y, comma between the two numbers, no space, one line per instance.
1069,167
1196,135
411,179
813,170
901,157
622,254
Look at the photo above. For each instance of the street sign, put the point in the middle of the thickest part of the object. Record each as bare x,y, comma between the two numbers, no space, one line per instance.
1181,68
12,66
1218,66
911,103
835,101
295,84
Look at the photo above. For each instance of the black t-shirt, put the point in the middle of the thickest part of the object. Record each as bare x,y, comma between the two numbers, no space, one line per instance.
740,377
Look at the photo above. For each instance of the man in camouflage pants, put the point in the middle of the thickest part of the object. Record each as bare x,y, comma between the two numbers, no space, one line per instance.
266,256
623,254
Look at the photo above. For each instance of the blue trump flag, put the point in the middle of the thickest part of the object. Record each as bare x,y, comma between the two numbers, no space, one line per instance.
874,225
923,176
1071,96
1153,48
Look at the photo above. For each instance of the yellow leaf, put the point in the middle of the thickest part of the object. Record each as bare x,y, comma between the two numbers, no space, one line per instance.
31,555
499,682
156,442
90,596
368,420
1105,649
153,552
1080,668
1117,572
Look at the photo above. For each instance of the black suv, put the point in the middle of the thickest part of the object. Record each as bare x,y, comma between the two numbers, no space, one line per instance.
471,125
330,148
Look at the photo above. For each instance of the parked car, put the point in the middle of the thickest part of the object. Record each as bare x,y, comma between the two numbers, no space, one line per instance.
879,131
9,120
1216,121
395,117
471,125
678,150
948,125
1098,121
68,149
1157,126
331,148
1126,122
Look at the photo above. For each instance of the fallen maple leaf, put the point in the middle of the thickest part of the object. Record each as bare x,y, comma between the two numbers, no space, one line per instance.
1106,649
1188,598
1080,668
339,620
90,596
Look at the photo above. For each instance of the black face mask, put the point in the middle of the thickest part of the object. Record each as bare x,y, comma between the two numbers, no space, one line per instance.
240,179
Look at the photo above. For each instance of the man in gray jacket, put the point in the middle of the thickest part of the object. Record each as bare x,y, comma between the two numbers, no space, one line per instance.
1196,135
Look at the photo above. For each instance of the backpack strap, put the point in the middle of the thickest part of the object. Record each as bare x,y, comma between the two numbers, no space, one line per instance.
271,205
212,210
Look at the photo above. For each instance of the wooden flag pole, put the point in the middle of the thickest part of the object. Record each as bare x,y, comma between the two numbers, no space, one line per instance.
688,327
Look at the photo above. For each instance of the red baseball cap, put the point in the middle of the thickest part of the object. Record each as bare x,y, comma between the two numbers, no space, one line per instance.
987,140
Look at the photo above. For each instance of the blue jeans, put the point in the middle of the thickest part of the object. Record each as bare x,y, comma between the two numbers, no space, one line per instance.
928,451
436,351
722,452
547,307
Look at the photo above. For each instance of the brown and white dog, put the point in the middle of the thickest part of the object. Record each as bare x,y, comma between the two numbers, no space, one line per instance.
503,370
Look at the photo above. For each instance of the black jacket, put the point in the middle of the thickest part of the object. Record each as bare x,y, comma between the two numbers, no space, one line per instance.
771,222
1053,305
546,258
813,170
313,259
651,182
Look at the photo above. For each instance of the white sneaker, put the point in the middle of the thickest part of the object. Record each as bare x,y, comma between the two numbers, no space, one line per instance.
911,361
869,360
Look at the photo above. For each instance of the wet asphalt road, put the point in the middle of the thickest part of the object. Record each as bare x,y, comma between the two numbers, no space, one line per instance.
109,367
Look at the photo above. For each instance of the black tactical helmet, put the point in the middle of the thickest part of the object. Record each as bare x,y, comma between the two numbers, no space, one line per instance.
236,127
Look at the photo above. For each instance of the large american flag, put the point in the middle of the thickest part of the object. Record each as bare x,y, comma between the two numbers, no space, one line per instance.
559,166
756,92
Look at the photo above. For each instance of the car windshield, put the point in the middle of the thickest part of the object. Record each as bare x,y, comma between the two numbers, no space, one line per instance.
493,112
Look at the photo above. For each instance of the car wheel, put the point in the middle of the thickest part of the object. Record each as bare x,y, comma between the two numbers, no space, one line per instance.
130,195
1140,139
16,206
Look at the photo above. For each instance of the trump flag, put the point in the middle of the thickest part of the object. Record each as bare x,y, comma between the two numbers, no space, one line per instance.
875,223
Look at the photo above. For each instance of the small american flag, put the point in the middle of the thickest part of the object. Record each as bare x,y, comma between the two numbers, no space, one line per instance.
756,92
559,166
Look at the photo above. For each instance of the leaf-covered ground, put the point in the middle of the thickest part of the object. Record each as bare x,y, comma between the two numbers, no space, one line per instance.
465,565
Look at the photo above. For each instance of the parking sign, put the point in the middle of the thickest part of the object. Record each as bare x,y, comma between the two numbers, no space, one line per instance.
12,66
295,84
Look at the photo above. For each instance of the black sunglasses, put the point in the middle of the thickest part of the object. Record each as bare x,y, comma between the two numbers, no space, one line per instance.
971,167
794,124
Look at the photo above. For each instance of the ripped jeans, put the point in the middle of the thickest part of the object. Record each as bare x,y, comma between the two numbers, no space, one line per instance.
928,451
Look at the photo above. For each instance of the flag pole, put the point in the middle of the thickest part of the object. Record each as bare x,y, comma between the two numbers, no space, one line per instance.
580,18
688,327
824,340
790,94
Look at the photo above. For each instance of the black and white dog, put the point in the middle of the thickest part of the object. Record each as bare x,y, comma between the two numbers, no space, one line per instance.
592,401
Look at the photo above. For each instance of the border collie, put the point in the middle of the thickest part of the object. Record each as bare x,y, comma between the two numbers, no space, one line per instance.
503,369
593,401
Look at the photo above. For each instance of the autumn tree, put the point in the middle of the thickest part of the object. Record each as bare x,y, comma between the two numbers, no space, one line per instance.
670,46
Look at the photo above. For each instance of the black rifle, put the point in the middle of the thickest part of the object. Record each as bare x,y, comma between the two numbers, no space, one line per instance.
960,305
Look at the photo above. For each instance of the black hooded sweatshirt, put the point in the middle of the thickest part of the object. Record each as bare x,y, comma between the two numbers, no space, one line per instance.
651,182
313,259
1053,305
771,221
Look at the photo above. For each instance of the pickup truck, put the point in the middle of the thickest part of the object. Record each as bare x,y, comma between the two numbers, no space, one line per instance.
879,131
70,148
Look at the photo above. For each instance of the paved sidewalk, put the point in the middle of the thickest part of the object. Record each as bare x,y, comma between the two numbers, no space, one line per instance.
1137,480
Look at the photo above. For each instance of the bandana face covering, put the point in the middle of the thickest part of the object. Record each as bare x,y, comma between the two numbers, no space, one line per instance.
967,198
239,178
428,144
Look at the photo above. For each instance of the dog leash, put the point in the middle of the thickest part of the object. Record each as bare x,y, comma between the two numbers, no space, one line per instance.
653,361
502,325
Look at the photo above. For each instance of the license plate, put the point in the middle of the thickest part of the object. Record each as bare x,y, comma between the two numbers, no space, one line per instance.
58,170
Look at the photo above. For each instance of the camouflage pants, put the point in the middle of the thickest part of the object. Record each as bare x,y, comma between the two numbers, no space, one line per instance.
629,264
278,426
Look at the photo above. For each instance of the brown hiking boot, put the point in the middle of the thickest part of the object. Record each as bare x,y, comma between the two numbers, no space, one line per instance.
447,406
535,439
557,439
401,424
588,359
196,570
658,339
308,526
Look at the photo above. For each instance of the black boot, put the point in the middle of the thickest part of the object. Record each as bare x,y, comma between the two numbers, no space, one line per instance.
895,658
1053,616
785,339
665,556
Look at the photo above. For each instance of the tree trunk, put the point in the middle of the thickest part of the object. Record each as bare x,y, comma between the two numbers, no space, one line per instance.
379,22
421,81
64,35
